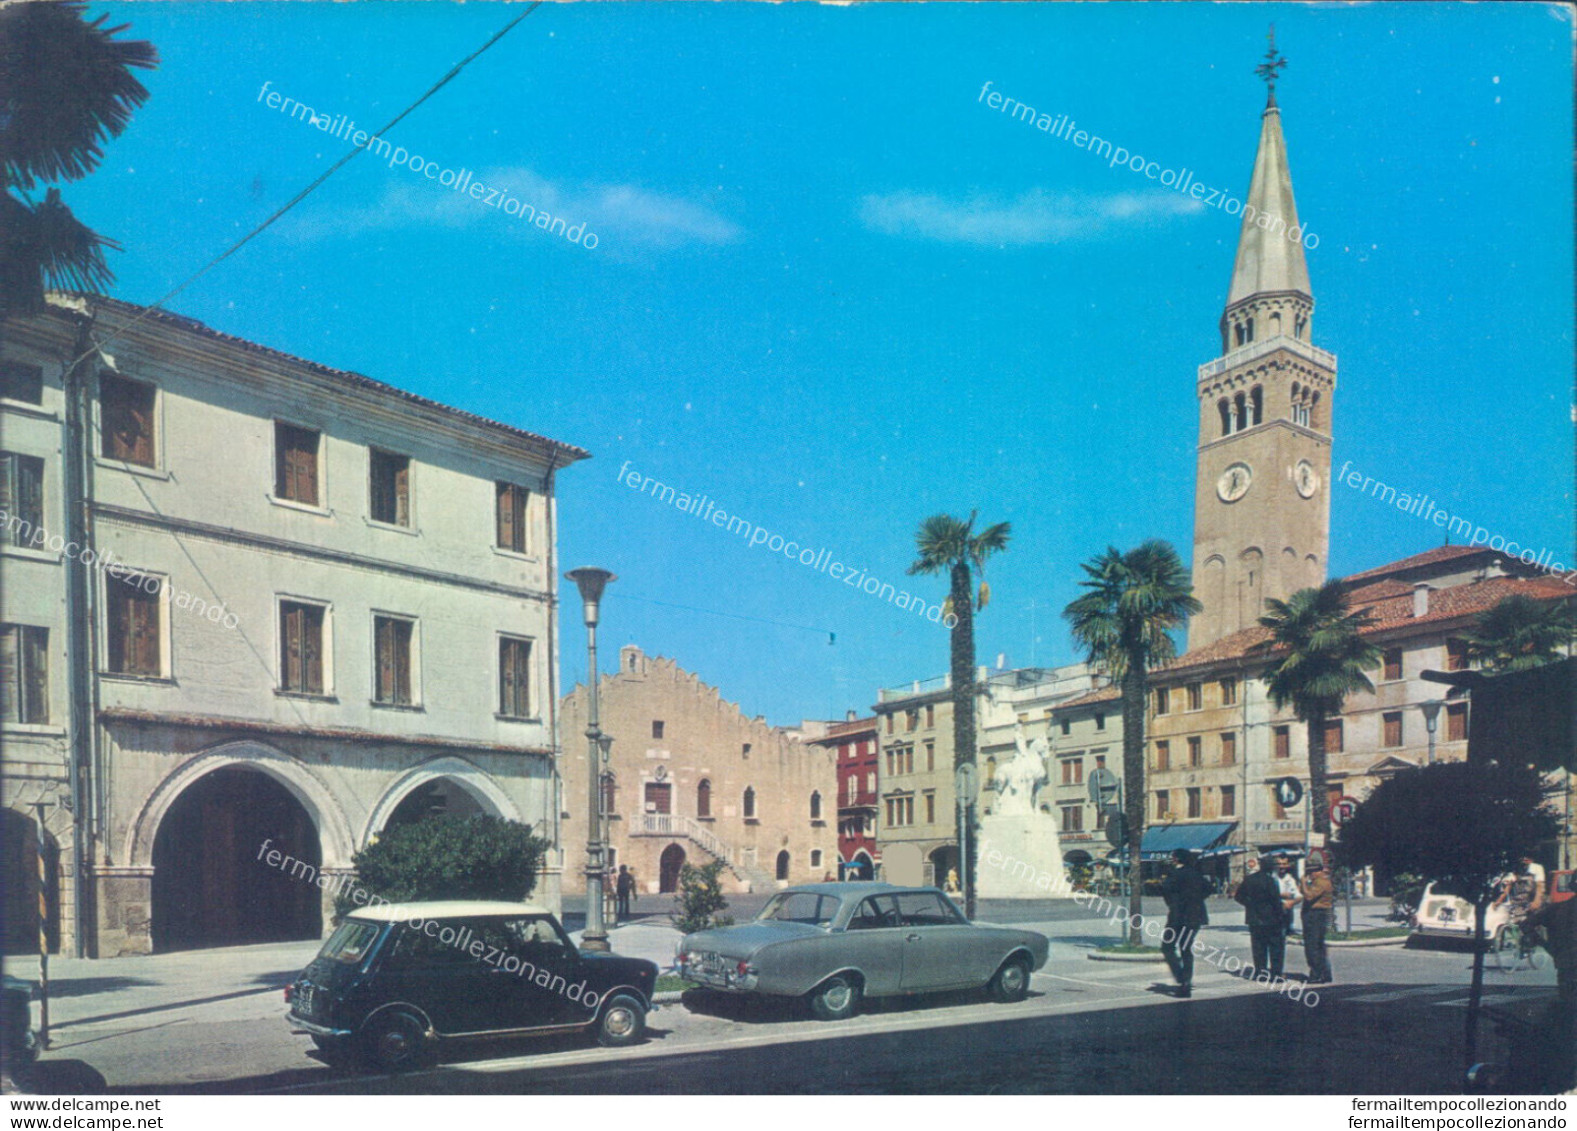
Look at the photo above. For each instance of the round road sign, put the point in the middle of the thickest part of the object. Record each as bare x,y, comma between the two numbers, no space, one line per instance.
1289,791
1342,810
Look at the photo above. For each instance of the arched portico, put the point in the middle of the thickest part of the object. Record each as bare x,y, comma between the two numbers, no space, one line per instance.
333,827
470,778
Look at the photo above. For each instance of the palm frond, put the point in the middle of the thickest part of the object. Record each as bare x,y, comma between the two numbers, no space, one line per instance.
66,85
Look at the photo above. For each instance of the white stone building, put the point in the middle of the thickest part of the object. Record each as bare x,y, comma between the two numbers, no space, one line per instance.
248,597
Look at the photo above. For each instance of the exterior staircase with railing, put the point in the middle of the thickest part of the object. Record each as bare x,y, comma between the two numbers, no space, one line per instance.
677,826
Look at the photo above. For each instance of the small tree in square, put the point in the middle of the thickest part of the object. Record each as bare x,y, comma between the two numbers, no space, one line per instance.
1463,825
447,857
699,901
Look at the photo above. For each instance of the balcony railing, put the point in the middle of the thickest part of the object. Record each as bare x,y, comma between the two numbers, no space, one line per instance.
1259,349
918,687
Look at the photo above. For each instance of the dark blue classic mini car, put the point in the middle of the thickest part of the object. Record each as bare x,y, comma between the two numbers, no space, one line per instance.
394,981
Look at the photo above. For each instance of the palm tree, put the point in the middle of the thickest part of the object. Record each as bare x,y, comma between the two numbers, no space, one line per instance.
946,544
1125,624
66,85
1323,661
1519,632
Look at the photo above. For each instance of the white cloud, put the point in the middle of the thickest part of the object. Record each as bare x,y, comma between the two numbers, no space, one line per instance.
1036,217
622,214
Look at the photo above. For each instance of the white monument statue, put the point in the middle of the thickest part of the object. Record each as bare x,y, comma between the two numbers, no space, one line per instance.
1020,852
1020,780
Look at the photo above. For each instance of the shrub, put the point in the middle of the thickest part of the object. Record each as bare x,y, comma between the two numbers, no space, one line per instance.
443,857
700,898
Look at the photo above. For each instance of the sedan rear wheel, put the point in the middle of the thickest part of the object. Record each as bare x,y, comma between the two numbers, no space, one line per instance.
835,999
398,1042
1011,982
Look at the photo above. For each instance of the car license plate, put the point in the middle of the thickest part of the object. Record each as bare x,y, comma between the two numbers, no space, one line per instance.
304,1001
710,963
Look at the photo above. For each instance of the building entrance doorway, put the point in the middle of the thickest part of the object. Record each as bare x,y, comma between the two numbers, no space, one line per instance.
212,885
668,867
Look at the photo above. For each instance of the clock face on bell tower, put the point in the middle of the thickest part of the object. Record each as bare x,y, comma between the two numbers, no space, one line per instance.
1261,508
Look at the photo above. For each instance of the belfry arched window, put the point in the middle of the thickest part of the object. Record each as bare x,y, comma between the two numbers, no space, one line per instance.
1256,405
1226,416
1240,413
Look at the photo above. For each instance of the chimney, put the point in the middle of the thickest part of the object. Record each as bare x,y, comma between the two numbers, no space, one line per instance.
1002,661
1421,599
850,716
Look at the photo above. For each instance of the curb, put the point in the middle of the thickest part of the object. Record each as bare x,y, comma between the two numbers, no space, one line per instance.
1399,940
1096,956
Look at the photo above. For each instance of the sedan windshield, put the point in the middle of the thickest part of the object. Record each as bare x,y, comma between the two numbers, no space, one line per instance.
800,907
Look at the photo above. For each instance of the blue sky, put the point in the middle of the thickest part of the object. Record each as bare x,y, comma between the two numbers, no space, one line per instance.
836,293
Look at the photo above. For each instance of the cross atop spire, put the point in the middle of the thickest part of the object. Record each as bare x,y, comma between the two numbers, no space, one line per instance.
1271,67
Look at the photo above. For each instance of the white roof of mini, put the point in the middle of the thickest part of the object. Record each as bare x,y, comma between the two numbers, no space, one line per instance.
445,909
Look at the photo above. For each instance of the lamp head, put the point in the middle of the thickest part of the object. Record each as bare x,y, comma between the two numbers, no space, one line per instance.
1431,710
590,581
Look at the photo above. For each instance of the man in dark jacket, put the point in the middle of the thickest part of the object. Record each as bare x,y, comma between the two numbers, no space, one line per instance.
1184,890
1260,896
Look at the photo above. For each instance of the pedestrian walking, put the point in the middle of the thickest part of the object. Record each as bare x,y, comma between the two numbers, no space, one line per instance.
1263,912
1319,897
626,890
1184,890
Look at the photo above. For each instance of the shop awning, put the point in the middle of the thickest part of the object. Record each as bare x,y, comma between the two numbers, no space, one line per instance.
1204,838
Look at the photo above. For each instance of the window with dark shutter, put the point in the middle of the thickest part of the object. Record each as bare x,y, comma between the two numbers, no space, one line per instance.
22,499
512,517
1393,728
390,477
133,627
514,678
1392,664
24,673
296,463
301,648
1333,736
1229,748
1283,742
126,417
1456,722
20,382
393,641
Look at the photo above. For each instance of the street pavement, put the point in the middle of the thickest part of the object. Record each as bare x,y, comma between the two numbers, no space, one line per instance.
214,1021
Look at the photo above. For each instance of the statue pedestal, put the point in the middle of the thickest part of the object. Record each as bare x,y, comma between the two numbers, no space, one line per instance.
1020,857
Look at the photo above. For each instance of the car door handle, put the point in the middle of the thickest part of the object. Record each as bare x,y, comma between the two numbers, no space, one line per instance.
912,938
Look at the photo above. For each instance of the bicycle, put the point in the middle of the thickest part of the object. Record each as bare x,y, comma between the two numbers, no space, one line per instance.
1526,945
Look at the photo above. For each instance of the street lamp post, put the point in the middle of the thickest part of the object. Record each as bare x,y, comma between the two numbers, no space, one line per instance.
1431,710
591,582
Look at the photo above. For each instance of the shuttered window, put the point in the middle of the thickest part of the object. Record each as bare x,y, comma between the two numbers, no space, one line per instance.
390,477
512,517
126,418
24,673
133,626
514,678
1456,722
22,499
20,382
392,640
1392,728
301,648
1333,736
296,463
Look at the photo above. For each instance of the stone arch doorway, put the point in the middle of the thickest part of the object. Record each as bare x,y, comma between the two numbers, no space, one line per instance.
443,785
19,877
943,867
860,868
668,866
213,886
782,871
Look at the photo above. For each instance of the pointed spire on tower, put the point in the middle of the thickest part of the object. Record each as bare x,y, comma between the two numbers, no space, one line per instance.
1269,258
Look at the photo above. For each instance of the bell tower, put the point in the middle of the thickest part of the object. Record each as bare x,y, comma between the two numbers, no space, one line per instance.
1262,488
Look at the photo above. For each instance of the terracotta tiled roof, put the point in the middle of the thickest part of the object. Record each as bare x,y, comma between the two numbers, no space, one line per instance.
131,310
851,726
1390,605
1428,557
1099,695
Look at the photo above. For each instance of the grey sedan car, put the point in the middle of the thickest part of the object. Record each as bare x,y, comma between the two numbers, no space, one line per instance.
832,944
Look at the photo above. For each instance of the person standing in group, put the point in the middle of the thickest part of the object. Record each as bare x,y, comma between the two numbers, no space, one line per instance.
1319,897
1263,912
1290,893
626,890
1184,890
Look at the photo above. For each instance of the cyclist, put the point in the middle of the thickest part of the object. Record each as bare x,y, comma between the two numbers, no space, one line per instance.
1522,893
